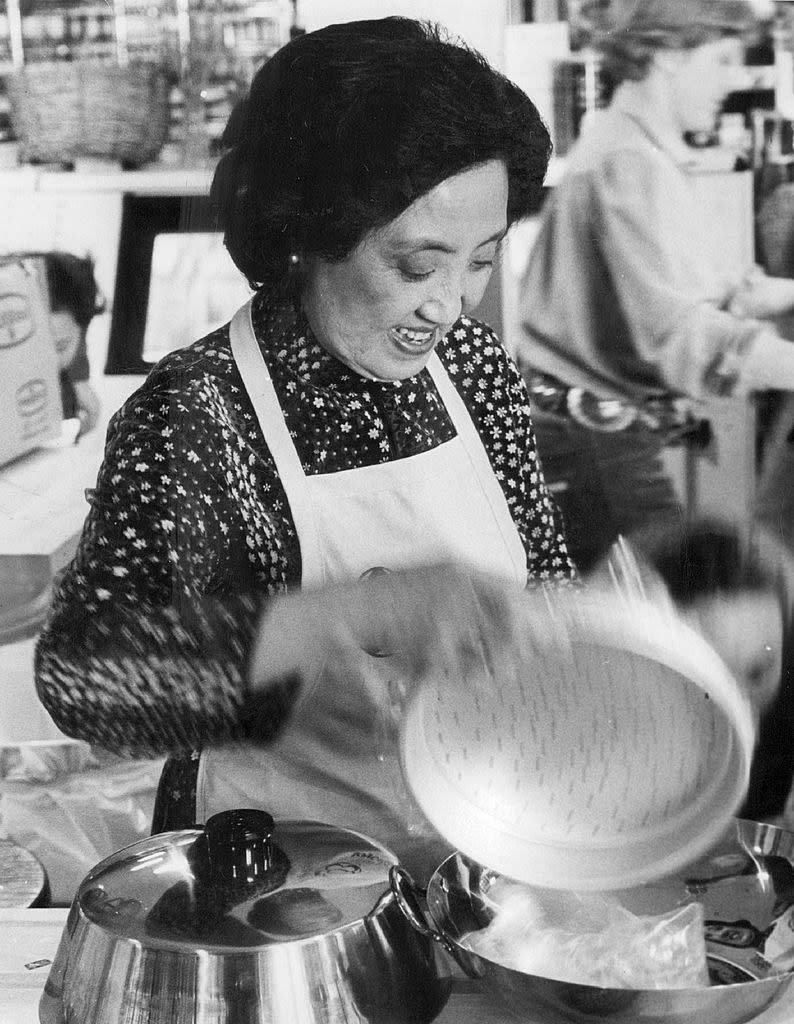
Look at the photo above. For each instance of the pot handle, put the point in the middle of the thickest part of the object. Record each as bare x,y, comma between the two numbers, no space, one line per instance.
408,894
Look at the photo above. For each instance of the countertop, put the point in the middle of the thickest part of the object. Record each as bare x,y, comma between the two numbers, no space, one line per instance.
151,180
29,940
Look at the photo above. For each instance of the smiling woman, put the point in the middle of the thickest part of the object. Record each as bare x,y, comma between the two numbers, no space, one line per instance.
384,308
347,467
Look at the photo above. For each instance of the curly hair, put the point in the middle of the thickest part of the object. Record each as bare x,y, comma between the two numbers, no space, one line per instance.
344,128
628,33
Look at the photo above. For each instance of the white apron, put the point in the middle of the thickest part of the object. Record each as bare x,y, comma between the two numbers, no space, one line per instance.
337,761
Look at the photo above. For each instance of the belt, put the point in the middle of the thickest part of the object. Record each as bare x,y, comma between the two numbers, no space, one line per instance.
666,415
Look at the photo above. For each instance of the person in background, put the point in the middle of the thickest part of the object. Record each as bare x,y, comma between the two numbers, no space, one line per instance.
626,326
301,513
75,300
739,595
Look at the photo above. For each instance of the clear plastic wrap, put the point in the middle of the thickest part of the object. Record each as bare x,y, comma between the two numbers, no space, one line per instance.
591,939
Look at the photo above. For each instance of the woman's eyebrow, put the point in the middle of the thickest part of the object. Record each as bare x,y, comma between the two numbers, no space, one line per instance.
433,245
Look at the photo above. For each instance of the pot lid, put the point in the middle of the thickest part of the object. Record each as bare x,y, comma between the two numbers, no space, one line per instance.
617,755
240,882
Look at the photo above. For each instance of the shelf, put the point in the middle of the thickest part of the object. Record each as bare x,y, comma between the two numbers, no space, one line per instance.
150,181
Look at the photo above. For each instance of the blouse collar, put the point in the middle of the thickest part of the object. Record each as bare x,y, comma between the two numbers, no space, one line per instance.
633,103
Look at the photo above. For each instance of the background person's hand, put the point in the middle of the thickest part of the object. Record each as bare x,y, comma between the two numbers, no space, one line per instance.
761,297
88,407
746,630
744,626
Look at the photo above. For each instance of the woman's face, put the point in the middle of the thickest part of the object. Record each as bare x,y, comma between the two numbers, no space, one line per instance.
384,308
746,630
66,334
699,81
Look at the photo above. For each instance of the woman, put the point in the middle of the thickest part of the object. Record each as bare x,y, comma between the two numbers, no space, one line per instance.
627,326
741,598
75,300
274,498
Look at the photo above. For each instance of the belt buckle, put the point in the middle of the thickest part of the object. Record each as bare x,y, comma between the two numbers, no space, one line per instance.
609,415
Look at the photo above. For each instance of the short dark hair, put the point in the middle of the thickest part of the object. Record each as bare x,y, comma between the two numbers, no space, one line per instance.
72,286
708,558
343,128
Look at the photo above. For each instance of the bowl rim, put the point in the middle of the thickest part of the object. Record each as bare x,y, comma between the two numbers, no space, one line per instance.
743,826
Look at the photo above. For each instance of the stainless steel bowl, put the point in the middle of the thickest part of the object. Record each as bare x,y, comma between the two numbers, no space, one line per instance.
242,922
742,883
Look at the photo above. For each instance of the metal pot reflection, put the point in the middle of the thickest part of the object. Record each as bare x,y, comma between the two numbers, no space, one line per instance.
746,877
243,922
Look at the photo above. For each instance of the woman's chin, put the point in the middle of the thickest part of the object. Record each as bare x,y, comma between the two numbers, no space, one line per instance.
403,366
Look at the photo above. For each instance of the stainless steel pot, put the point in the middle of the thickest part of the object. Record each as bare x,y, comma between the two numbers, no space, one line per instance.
742,883
242,922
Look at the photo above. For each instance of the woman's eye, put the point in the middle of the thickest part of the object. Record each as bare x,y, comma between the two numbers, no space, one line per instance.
482,265
415,275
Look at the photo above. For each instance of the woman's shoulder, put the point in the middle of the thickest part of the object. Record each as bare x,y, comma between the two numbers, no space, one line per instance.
199,376
210,356
208,359
479,365
613,144
469,339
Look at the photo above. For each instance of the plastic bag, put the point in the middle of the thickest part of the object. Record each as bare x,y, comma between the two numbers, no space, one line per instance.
72,806
591,939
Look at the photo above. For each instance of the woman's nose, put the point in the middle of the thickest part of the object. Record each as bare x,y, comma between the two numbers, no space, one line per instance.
445,302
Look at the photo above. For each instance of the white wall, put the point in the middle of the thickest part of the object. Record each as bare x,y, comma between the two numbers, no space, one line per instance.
480,23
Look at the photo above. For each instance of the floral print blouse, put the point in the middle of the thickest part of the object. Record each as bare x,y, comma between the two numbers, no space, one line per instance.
189,531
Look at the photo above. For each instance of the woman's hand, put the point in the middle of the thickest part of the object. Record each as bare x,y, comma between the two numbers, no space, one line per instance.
437,618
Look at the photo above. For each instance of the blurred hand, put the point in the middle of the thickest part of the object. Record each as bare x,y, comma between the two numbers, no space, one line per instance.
762,298
88,407
746,630
744,627
435,618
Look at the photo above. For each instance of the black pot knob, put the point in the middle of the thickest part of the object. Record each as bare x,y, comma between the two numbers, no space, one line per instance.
240,850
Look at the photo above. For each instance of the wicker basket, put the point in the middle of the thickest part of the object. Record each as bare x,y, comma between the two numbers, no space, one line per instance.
64,111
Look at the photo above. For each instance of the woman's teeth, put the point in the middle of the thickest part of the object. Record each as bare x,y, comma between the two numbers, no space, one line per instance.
414,338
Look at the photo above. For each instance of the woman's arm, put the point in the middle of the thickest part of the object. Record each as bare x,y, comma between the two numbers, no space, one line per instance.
537,515
652,241
172,630
145,647
496,396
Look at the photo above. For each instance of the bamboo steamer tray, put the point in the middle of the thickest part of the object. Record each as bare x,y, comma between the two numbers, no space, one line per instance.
618,754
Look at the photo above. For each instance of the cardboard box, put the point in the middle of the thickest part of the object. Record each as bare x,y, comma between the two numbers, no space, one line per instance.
30,397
